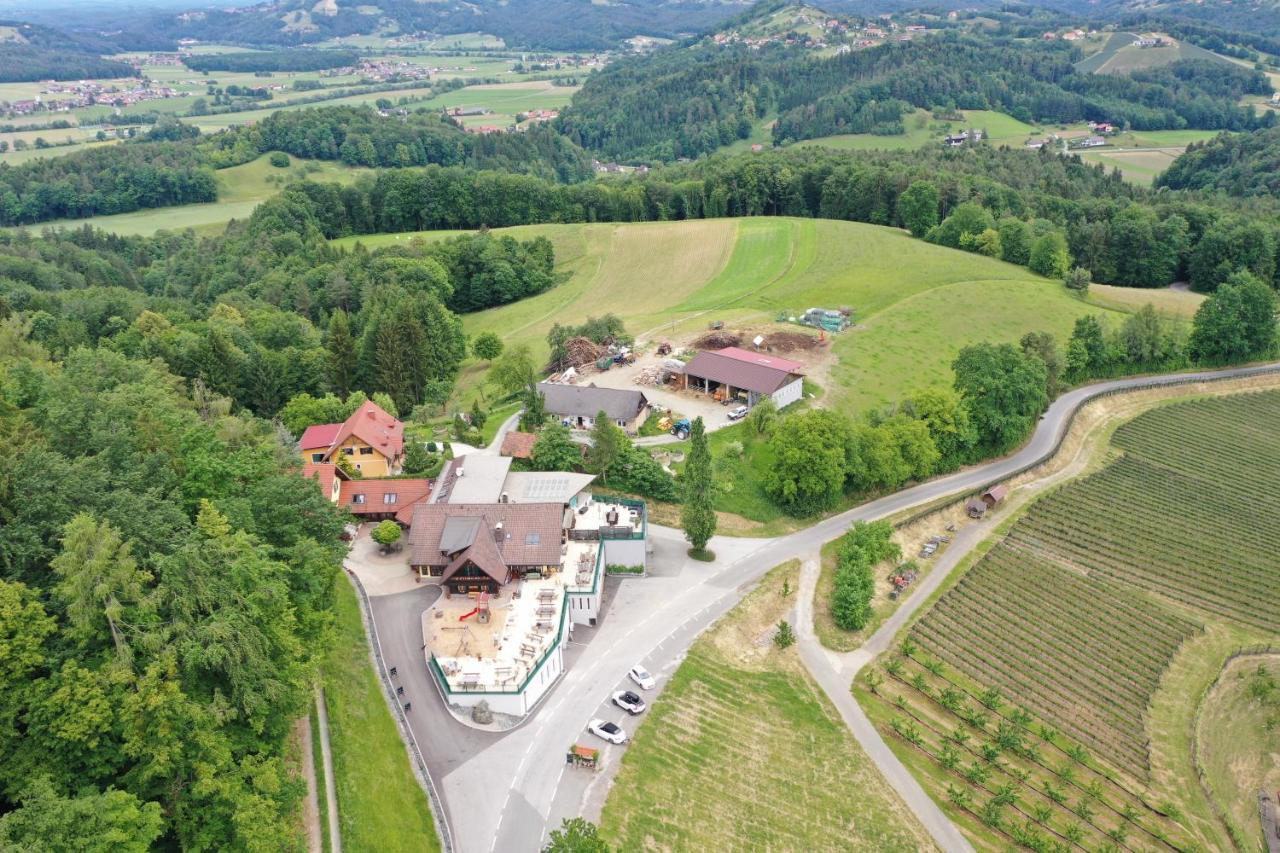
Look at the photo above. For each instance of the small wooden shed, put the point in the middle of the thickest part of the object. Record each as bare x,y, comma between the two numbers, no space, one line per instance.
995,494
976,507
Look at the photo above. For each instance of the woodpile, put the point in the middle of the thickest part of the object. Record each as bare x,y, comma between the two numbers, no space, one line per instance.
718,340
580,351
649,376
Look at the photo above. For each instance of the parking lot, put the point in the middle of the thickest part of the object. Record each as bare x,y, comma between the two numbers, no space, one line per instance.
688,403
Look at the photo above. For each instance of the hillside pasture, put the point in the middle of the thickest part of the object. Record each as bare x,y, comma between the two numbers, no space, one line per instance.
1120,56
915,304
922,130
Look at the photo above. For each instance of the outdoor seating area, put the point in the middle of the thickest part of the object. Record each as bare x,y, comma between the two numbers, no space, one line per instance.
523,627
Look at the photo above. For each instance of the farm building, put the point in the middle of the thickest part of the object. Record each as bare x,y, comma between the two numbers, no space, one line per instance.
578,405
731,372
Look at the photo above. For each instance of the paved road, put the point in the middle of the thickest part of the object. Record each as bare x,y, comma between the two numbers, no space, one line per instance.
505,792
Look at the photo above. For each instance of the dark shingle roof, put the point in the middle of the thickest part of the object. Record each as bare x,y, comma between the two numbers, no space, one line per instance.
427,540
587,400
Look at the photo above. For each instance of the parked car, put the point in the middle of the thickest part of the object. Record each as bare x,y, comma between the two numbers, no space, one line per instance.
738,413
629,702
641,676
611,732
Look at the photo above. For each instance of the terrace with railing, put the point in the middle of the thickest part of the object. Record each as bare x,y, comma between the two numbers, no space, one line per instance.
609,517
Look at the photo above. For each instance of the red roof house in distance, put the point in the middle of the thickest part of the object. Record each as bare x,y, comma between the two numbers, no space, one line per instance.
518,445
371,439
732,371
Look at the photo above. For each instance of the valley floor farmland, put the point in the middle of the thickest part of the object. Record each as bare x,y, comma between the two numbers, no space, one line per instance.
742,751
1106,598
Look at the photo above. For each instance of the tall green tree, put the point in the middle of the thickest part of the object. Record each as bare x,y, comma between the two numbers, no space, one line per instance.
607,446
555,450
108,822
1050,256
1235,323
810,453
697,512
1004,390
343,357
918,208
100,584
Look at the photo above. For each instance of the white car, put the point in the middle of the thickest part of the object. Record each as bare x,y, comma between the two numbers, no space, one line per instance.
629,702
611,732
738,413
641,676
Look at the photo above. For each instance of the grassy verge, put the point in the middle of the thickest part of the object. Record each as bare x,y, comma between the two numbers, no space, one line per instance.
380,804
743,751
1236,751
322,801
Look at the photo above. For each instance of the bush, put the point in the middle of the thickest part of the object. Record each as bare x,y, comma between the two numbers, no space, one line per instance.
279,159
617,569
860,550
785,637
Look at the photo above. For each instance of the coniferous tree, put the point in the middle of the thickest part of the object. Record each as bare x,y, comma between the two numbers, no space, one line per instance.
697,513
343,358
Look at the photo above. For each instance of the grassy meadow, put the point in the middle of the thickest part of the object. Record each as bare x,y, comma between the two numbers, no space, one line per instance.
380,805
915,304
923,130
743,751
240,190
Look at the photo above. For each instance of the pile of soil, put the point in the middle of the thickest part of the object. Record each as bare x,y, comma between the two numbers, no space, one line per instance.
718,340
790,341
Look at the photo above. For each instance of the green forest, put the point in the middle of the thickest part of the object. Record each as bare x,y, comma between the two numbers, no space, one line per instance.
689,101
1246,165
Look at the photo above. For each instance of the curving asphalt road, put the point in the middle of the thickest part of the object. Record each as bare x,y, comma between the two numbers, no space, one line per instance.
505,792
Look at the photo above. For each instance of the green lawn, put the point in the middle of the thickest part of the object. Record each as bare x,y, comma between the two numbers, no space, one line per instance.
380,804
744,752
240,190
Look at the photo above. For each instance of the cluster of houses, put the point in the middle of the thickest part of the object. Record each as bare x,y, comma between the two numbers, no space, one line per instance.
1152,41
382,70
63,97
1069,35
522,552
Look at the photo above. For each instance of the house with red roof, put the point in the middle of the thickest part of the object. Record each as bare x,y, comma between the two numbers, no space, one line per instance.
369,499
371,440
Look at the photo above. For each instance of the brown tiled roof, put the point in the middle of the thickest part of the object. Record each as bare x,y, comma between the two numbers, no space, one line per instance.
484,554
530,532
402,493
518,445
375,427
748,375
323,473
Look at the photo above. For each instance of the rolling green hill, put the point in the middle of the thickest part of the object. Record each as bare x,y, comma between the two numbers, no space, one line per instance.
1120,55
916,304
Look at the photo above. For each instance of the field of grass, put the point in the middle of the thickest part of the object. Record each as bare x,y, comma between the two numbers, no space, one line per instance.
1173,303
1106,611
504,100
743,752
923,130
1237,752
380,804
915,303
240,190
1119,56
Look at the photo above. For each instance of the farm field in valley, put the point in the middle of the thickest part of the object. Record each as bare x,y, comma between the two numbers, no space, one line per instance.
1100,594
1120,56
742,751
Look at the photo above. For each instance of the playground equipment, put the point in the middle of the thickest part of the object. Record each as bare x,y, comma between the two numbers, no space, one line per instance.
481,610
